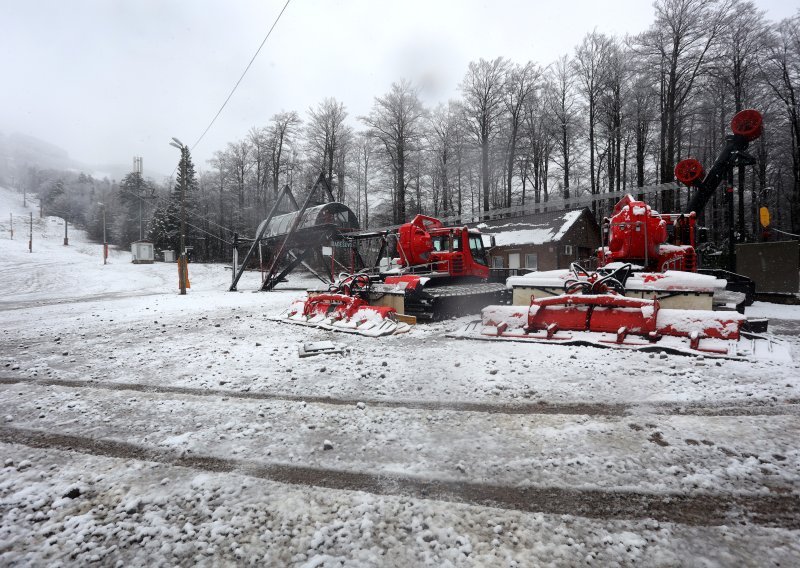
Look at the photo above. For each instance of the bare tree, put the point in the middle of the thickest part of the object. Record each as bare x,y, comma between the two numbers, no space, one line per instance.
363,158
259,142
641,105
743,44
239,161
323,133
539,142
343,147
443,129
591,70
281,129
482,88
678,44
521,83
396,121
561,104
611,104
782,73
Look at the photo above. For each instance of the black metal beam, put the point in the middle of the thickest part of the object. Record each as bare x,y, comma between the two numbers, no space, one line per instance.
260,233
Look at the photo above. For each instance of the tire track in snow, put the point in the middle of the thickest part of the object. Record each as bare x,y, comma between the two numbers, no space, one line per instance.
704,509
725,408
9,305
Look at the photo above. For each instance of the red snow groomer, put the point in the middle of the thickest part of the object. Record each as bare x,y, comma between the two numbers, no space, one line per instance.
646,294
438,272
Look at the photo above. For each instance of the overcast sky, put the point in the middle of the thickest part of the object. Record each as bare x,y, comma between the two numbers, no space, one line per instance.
107,80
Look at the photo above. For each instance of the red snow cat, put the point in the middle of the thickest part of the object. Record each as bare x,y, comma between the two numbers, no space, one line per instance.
646,293
437,272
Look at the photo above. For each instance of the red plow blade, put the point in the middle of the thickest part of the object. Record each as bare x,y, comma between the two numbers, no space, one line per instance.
611,320
341,312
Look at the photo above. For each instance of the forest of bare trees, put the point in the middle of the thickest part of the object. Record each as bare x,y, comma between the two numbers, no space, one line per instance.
615,114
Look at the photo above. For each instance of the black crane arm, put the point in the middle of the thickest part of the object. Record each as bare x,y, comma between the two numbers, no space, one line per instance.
731,156
746,126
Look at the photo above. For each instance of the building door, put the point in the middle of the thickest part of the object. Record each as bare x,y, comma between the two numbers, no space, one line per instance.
513,260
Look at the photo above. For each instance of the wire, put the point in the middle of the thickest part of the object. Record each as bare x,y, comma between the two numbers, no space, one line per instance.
785,233
242,76
166,200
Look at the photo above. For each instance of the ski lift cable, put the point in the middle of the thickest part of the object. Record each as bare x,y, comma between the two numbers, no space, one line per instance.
201,218
246,69
164,200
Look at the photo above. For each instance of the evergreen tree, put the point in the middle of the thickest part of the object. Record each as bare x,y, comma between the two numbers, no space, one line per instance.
133,189
165,227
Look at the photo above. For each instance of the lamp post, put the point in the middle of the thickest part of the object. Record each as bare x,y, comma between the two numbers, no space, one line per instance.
182,254
105,243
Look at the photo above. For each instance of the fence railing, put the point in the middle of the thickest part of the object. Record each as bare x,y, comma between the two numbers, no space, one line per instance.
553,204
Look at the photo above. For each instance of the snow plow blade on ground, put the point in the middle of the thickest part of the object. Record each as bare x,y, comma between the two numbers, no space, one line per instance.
613,320
341,312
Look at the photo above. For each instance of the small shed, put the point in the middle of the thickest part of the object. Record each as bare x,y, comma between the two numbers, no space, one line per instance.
169,255
142,252
544,241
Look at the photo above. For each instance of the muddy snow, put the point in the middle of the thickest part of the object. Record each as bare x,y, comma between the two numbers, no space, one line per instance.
141,427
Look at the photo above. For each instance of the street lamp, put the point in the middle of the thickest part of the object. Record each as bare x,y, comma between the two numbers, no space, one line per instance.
182,256
105,243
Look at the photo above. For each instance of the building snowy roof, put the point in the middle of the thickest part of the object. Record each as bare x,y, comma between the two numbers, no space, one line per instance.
546,228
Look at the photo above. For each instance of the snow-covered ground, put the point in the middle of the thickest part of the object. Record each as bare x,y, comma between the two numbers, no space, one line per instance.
141,427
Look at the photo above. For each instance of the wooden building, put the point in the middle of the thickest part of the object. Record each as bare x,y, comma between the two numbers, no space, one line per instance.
544,241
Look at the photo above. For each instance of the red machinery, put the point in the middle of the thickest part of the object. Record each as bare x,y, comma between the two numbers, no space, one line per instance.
439,272
426,243
664,241
596,312
594,308
640,235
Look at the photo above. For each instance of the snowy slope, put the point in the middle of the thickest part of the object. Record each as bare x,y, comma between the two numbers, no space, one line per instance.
148,428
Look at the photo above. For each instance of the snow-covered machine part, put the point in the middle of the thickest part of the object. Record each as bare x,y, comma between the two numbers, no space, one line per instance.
344,307
624,323
673,288
340,312
596,311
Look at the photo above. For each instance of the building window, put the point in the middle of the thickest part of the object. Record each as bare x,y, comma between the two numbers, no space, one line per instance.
568,250
497,262
532,261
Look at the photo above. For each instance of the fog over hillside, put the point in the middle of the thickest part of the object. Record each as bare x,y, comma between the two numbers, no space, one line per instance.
18,152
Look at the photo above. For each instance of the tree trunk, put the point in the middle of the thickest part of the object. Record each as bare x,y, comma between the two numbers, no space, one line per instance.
510,172
564,138
401,186
485,171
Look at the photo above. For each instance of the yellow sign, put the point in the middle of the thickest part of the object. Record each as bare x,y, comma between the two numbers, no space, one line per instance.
764,214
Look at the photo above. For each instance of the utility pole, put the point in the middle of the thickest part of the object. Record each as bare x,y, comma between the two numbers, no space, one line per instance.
183,224
137,169
11,215
66,237
30,237
105,243
182,268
